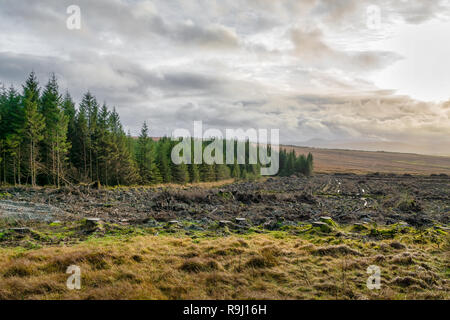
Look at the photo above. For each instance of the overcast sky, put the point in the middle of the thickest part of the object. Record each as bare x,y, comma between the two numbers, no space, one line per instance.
322,71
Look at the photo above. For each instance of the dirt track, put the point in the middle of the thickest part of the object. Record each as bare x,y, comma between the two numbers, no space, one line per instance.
384,199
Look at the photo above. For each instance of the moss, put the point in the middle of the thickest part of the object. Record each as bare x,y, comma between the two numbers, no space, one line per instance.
279,234
328,221
5,195
323,227
383,233
359,227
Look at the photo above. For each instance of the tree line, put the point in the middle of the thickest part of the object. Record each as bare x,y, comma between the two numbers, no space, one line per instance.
46,140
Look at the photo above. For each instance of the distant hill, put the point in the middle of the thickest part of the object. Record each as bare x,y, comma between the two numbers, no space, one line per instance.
431,148
361,162
336,160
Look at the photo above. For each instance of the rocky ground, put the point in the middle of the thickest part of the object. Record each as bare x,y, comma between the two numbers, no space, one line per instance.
418,201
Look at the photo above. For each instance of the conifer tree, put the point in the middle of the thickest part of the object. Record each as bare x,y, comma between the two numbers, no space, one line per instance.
194,173
123,166
222,172
69,111
163,159
207,172
54,146
143,155
33,126
290,164
80,144
309,164
180,173
236,171
11,121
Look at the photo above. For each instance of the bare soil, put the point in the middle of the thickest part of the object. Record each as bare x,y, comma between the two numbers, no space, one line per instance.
347,198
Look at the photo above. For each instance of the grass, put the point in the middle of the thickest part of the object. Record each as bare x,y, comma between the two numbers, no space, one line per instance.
203,185
272,265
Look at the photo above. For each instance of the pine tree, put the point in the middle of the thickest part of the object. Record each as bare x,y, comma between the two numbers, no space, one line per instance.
194,173
236,171
222,172
309,165
144,157
207,173
11,121
33,126
290,164
180,173
61,148
69,110
163,159
80,144
123,166
54,146
105,146
283,163
244,174
300,164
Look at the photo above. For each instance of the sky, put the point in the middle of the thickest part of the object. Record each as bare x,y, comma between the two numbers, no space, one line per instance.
356,74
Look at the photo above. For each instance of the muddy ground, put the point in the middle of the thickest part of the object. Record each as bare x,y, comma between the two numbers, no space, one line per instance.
346,198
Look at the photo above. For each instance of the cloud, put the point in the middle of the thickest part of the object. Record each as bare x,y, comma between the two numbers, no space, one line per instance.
311,49
302,66
130,22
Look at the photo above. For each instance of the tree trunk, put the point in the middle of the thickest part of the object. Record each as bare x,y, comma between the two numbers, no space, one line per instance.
31,164
18,167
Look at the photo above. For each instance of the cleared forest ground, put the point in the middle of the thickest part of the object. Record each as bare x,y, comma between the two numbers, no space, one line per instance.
278,238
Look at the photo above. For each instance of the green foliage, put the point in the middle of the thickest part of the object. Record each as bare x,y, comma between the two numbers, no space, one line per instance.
45,139
291,164
145,158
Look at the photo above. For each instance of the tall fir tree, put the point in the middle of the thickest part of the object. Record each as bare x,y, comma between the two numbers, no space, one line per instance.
163,156
33,125
54,146
145,157
69,110
11,121
236,171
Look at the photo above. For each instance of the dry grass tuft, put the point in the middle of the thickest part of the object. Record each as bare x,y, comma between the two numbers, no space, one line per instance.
336,251
196,265
403,259
259,266
408,281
